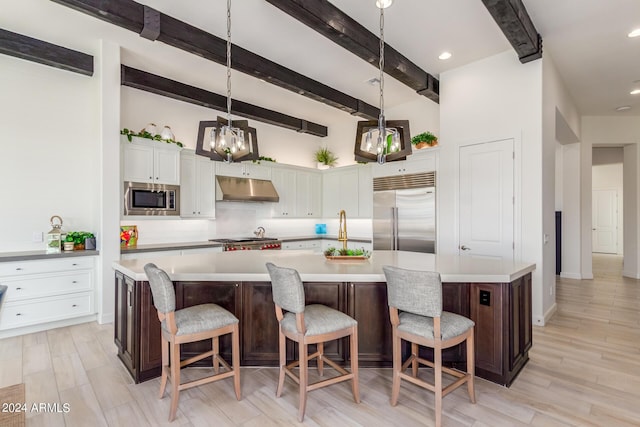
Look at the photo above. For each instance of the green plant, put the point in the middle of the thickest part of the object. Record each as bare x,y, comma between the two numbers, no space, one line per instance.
266,159
78,237
325,156
331,251
144,134
426,137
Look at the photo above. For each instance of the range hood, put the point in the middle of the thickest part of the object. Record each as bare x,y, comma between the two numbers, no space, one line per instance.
245,189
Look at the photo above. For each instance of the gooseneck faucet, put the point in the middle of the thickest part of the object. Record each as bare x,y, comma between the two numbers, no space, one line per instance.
342,229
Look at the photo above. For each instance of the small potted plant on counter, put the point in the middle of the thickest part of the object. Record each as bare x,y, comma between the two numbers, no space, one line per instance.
80,240
424,140
325,158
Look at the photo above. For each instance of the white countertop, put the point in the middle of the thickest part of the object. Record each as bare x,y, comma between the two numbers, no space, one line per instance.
313,267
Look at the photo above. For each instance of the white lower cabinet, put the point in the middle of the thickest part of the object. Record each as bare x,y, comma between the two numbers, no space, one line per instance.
43,291
172,252
314,245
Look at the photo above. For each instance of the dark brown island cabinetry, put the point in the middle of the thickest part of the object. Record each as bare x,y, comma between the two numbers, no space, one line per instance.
501,311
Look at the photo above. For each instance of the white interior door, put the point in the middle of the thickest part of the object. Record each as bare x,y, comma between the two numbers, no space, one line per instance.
605,221
487,199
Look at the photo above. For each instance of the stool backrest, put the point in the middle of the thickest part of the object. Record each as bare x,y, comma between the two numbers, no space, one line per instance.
164,296
286,285
417,292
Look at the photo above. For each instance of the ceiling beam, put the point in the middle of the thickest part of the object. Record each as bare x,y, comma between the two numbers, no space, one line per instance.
131,15
340,28
153,83
42,52
514,21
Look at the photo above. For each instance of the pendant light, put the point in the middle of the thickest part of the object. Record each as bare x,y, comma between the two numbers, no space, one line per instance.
383,140
228,140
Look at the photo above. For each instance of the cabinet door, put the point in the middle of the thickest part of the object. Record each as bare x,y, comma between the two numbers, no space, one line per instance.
256,171
205,188
150,351
224,294
188,186
368,305
284,181
365,192
332,295
340,192
166,166
259,341
137,162
124,326
308,194
486,309
519,320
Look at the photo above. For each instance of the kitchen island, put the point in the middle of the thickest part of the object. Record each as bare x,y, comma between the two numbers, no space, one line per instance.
496,294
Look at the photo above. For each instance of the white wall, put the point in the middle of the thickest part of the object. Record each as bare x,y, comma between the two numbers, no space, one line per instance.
571,212
631,211
496,98
50,159
611,130
607,174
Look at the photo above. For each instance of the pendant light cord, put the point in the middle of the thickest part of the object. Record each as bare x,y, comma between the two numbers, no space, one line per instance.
229,63
381,123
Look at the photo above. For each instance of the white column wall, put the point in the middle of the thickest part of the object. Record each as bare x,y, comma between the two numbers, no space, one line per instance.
496,98
108,73
571,206
631,177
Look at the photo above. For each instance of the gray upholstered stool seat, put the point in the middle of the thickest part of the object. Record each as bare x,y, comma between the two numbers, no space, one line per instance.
199,318
451,325
309,324
318,319
191,324
415,309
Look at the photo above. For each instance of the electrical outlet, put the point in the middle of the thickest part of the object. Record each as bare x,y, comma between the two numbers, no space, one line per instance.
36,236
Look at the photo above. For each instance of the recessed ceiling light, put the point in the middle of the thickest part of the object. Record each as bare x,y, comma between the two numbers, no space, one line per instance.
445,55
624,108
383,4
634,33
635,92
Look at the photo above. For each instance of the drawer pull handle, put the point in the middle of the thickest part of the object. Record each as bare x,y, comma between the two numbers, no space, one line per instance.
74,305
18,314
74,264
74,281
19,268
18,289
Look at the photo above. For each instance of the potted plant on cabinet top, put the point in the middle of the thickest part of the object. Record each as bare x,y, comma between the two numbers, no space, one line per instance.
325,158
424,140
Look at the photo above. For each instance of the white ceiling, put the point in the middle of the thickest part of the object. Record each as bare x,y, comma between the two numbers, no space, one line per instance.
587,40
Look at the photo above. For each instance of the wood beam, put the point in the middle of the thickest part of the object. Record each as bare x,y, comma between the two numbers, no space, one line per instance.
340,28
42,52
130,15
514,21
153,83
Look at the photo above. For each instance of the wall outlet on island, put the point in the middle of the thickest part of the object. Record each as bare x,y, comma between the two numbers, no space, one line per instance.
37,237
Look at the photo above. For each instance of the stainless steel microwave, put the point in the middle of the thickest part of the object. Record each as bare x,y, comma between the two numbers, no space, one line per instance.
151,199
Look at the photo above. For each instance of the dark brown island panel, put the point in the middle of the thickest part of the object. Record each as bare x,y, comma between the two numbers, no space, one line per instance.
501,311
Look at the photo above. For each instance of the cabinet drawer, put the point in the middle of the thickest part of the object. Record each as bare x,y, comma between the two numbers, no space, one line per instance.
20,287
24,313
45,266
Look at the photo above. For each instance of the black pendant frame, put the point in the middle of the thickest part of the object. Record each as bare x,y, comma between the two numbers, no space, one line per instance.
203,146
405,141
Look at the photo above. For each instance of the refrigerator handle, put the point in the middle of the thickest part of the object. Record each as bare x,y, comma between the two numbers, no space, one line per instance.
394,219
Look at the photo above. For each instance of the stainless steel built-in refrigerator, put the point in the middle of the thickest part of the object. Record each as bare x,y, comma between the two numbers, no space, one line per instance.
404,210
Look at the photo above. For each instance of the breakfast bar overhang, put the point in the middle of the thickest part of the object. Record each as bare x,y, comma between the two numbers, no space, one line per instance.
494,293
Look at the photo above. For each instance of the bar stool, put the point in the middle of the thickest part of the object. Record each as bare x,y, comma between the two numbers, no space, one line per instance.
311,324
418,294
197,323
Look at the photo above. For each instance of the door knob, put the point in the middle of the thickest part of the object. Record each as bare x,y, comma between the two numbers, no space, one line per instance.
593,229
464,248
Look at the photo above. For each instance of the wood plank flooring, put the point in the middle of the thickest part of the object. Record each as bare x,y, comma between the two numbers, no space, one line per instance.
584,371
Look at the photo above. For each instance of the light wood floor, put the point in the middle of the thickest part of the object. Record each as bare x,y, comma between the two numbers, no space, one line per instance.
584,371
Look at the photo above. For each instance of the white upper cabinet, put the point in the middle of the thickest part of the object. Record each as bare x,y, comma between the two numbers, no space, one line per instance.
365,191
308,194
151,161
418,163
285,182
340,192
243,170
197,186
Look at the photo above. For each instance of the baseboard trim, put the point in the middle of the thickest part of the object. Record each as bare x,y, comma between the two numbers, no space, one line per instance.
106,318
565,275
631,274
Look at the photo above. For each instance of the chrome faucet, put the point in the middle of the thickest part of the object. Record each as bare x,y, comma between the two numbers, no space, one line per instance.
342,229
259,233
